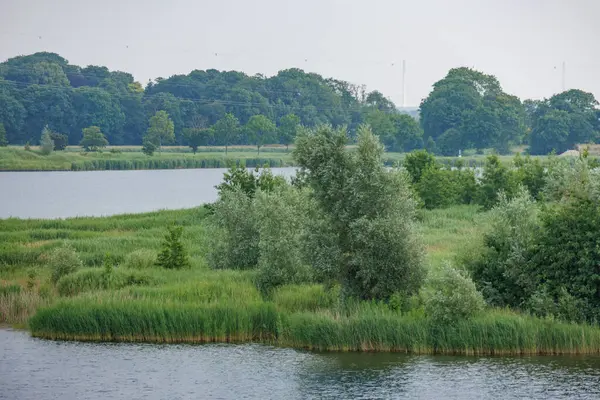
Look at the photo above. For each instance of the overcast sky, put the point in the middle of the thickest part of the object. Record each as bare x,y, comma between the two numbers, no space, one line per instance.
522,42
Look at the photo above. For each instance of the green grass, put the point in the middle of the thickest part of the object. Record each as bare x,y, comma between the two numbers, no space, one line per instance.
14,158
17,159
142,303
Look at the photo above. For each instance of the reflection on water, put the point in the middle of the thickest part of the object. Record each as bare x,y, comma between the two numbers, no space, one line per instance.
36,369
96,193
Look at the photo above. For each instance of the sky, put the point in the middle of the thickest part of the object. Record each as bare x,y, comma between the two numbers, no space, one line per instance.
522,42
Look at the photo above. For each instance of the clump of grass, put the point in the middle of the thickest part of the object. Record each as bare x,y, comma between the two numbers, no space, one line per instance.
140,259
18,304
94,279
151,321
295,298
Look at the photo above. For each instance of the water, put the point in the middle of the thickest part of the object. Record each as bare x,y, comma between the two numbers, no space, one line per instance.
36,369
96,193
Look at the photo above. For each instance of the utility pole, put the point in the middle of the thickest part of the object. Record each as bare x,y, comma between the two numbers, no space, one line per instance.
564,76
403,83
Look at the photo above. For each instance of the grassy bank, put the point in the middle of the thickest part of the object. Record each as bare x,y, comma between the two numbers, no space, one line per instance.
175,157
141,303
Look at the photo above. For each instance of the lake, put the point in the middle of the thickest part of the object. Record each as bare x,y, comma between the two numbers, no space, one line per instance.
37,369
96,193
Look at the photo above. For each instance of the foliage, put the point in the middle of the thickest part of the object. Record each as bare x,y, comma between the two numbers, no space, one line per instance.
562,121
235,239
468,109
532,174
439,188
160,130
93,139
227,129
503,271
568,251
196,137
3,139
281,219
288,128
371,211
148,146
449,295
60,141
496,179
62,261
417,162
260,130
173,254
46,143
239,178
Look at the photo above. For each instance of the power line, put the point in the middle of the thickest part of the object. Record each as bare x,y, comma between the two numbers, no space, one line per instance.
204,101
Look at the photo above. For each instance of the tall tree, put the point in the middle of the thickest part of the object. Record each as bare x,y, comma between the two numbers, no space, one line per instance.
226,130
261,130
161,129
288,128
93,139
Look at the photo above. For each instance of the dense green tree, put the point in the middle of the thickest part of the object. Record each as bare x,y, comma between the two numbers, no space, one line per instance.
93,139
195,137
496,179
288,129
260,130
60,141
3,139
367,213
226,130
562,121
160,130
475,106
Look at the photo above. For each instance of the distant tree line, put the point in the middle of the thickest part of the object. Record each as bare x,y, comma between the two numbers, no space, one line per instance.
465,110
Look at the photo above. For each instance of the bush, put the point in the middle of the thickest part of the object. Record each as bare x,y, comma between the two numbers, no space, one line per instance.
3,139
449,295
235,238
173,254
440,188
417,162
568,253
140,259
504,272
46,143
281,219
60,141
63,261
238,177
496,179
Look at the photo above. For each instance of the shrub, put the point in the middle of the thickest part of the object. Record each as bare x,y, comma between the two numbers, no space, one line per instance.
439,188
63,261
449,295
173,254
417,162
496,179
568,251
3,139
235,238
93,139
140,259
281,220
60,141
239,177
46,143
503,272
531,174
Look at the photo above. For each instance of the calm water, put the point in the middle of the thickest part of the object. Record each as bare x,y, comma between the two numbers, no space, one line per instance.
71,194
36,369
